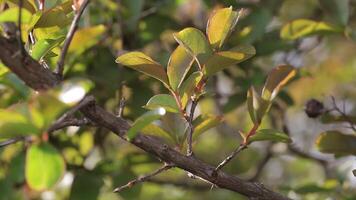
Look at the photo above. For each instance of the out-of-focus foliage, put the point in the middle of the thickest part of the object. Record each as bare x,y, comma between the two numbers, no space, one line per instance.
175,43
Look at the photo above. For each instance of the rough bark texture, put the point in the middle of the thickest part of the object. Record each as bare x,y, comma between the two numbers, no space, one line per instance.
39,78
27,69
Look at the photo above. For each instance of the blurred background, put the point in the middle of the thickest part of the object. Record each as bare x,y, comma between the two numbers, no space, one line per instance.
97,161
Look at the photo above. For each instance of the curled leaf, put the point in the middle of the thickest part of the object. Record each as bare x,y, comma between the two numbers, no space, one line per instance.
276,79
178,66
188,86
257,106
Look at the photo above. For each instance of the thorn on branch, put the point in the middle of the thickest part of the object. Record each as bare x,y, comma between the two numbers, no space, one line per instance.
122,104
73,27
144,178
191,127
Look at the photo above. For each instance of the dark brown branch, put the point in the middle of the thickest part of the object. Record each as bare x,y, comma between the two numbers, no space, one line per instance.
166,154
69,122
69,37
144,178
181,183
231,156
26,68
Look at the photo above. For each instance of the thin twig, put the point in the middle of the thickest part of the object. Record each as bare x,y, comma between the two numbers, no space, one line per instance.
231,156
144,178
343,113
13,141
69,37
191,127
69,122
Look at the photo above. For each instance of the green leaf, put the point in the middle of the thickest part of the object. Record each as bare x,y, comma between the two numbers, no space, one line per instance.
44,166
42,47
143,121
188,86
329,186
57,16
165,101
204,123
155,130
304,27
270,135
219,26
195,42
276,79
85,38
12,15
143,63
223,59
178,66
336,143
29,5
257,107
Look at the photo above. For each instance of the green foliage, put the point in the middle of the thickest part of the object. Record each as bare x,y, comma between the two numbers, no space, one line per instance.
44,166
303,27
144,120
336,143
270,135
162,100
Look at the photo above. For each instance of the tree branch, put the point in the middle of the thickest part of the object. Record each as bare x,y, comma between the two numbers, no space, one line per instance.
25,67
166,154
69,37
144,178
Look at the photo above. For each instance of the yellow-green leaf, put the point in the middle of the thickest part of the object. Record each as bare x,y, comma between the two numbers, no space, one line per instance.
143,63
223,59
44,166
304,27
29,5
219,26
195,42
85,38
57,16
165,101
178,66
270,135
276,79
336,143
44,46
143,121
188,86
204,123
12,15
155,130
